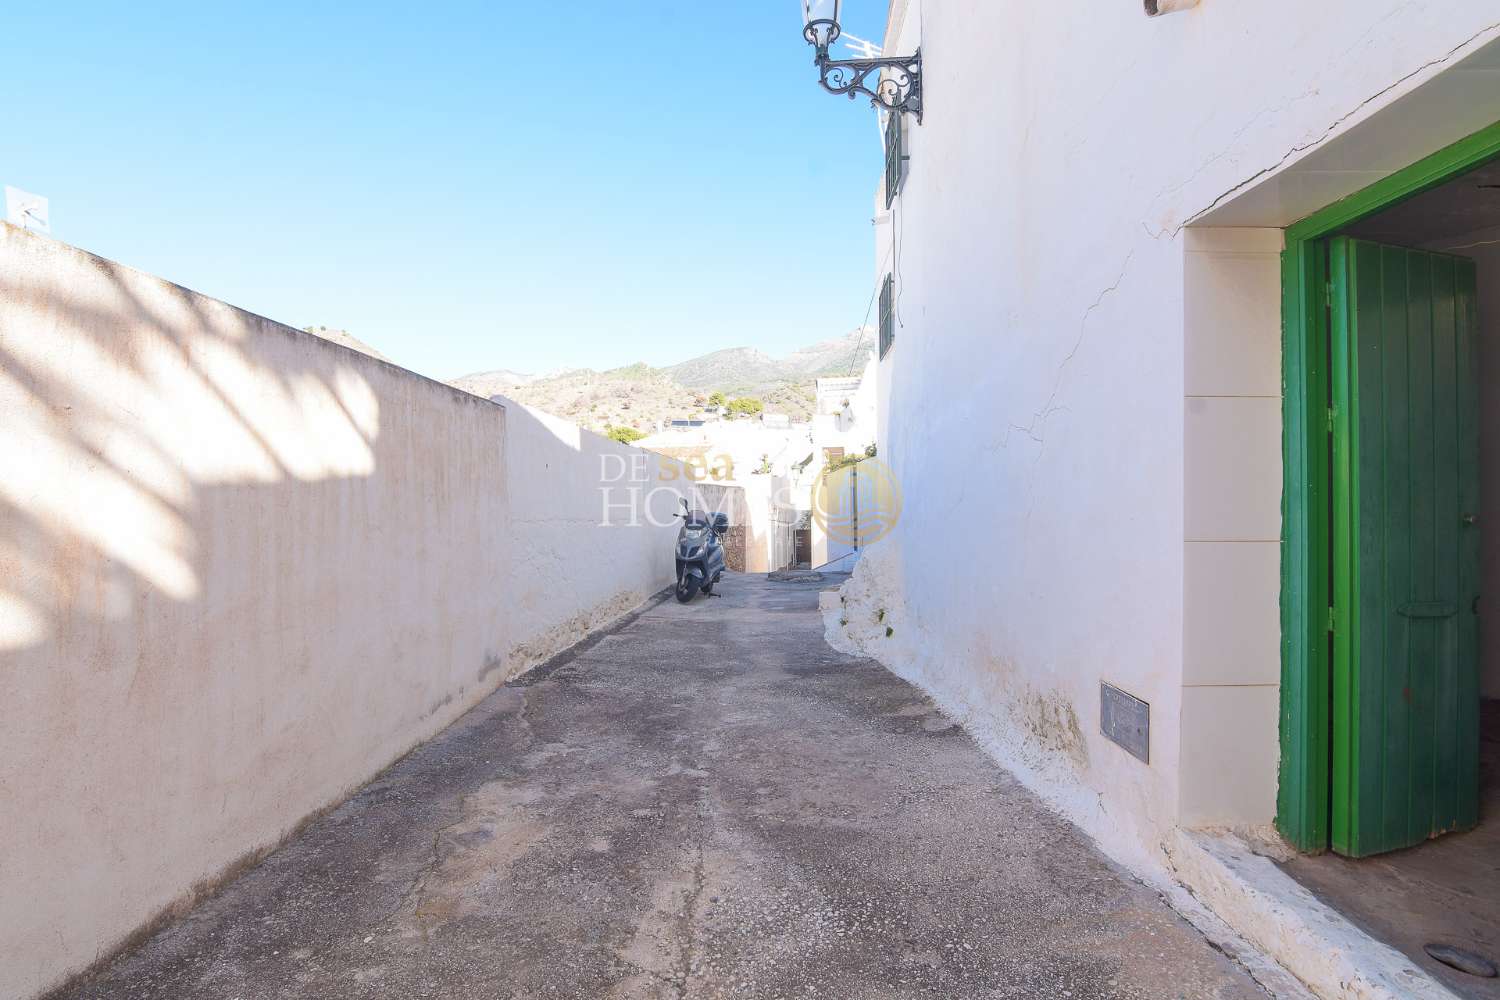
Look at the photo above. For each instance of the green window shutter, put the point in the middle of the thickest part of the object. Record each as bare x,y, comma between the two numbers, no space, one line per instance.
895,143
887,314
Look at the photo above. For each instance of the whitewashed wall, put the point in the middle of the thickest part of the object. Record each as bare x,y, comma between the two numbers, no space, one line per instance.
241,570
1036,406
575,563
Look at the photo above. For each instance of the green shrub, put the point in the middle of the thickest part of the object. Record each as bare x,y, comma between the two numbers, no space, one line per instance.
747,405
624,435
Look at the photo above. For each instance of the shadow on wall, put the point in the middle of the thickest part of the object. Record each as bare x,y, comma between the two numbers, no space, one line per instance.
113,434
241,569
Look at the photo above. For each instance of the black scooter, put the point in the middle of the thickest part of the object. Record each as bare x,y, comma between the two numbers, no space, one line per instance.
700,552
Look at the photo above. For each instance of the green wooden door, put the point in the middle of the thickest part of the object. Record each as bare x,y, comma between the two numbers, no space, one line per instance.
1405,546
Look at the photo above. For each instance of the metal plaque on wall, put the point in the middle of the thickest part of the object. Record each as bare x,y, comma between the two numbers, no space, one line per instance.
1126,720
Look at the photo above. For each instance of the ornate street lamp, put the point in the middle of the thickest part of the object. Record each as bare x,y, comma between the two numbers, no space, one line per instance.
897,83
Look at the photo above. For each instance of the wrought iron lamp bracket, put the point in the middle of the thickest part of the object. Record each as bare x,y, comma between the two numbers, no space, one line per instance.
897,86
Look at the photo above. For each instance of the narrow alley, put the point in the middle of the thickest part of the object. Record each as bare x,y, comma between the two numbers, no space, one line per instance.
704,801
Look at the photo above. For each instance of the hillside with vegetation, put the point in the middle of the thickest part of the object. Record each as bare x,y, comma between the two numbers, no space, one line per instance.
637,397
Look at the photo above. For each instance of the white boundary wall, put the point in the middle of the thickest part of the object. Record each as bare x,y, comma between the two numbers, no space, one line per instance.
243,569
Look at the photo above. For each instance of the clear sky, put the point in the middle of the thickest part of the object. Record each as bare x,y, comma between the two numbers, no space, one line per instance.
463,186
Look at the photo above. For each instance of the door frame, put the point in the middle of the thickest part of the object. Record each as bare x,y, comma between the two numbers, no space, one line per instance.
1303,796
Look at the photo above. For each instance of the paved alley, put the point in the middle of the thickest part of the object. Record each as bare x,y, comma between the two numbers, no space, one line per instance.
706,801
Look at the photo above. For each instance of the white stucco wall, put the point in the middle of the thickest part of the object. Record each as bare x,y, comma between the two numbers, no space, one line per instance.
573,565
1036,405
241,570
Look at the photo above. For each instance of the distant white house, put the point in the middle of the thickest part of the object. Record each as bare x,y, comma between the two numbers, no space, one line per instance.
845,411
779,462
844,424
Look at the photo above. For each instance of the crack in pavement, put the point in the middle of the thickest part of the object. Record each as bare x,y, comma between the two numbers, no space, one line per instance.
688,920
653,824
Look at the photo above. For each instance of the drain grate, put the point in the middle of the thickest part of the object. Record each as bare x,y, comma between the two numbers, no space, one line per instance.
1463,960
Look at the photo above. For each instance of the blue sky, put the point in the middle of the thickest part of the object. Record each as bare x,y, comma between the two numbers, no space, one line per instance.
464,186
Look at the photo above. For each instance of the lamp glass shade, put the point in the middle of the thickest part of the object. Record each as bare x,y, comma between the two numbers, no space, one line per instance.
820,21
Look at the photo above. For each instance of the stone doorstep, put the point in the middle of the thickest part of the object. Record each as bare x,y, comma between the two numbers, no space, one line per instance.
1270,911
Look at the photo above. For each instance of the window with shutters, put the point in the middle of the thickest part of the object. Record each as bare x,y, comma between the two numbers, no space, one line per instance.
887,314
895,157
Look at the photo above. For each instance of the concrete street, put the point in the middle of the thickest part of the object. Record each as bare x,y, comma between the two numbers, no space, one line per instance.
706,801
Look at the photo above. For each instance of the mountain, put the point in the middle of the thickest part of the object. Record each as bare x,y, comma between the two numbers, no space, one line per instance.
640,396
496,383
840,356
747,370
736,367
636,396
